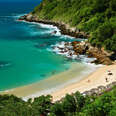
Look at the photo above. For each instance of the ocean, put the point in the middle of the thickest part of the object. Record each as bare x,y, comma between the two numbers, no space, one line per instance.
26,56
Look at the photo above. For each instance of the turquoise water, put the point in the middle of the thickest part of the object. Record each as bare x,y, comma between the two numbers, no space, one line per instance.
25,55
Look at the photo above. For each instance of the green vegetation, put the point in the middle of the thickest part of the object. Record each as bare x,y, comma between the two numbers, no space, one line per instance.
96,17
71,105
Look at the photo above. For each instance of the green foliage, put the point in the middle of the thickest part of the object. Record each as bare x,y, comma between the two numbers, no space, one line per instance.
104,36
100,5
93,16
69,104
98,17
111,43
80,101
113,5
13,106
72,105
105,31
41,105
56,110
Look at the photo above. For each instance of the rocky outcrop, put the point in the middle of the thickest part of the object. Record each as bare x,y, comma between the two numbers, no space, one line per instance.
79,48
100,90
101,58
65,29
100,55
74,49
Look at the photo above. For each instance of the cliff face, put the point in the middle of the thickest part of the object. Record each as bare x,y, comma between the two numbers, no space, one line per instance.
93,17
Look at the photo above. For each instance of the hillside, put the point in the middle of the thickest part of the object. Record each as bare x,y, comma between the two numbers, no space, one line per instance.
95,17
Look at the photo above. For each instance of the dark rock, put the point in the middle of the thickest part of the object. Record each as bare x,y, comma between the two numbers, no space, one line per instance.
86,48
4,64
114,83
61,26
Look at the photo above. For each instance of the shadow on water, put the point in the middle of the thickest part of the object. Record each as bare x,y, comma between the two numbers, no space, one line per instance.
43,75
4,64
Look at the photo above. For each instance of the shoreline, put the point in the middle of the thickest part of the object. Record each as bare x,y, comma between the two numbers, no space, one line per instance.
101,55
91,82
54,83
64,28
88,82
82,84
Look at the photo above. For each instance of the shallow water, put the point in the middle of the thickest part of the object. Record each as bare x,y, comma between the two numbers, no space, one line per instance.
25,48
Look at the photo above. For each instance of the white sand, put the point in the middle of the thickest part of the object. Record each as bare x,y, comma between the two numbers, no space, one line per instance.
94,80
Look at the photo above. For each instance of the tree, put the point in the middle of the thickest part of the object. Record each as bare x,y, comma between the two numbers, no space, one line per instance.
100,6
110,44
80,101
105,31
69,104
113,5
41,105
57,110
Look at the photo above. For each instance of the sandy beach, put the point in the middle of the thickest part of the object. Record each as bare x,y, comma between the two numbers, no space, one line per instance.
93,78
75,73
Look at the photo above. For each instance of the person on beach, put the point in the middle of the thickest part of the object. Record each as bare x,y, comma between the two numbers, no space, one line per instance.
106,79
88,81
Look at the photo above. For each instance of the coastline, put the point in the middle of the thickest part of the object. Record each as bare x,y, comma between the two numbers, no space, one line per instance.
81,84
65,29
54,83
87,82
102,56
93,81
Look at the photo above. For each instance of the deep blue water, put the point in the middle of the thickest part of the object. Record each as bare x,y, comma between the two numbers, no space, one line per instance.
25,55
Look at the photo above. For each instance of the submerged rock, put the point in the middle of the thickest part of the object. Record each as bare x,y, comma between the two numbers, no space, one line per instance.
4,64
